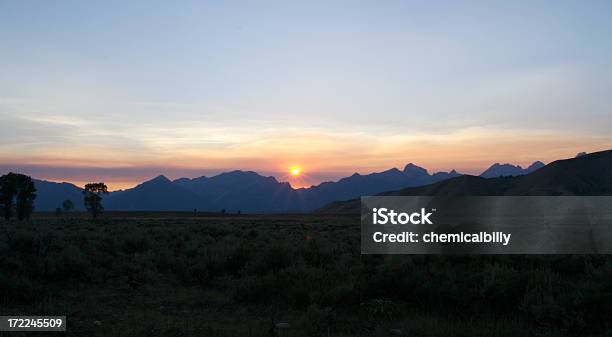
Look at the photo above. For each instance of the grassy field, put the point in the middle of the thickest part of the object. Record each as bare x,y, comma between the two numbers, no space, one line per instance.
164,274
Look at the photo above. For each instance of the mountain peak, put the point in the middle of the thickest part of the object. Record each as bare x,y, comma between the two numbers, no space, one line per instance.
535,166
238,173
239,176
504,170
159,179
392,170
414,170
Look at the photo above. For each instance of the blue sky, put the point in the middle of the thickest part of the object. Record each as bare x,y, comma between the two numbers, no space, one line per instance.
333,86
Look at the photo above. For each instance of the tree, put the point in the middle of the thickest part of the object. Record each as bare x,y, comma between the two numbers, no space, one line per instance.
8,189
26,193
67,206
17,192
93,198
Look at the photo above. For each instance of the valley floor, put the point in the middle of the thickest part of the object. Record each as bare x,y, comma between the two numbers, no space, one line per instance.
175,274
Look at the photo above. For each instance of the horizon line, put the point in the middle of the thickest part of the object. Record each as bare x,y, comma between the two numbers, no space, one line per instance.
294,186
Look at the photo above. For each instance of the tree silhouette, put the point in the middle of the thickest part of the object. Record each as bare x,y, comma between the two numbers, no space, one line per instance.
17,192
26,193
8,189
93,198
67,205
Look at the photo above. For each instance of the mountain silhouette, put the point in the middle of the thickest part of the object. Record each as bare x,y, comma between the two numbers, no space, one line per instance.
250,192
50,195
357,185
244,191
504,170
589,174
156,194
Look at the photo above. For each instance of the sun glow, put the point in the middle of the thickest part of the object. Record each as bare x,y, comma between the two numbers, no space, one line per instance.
295,170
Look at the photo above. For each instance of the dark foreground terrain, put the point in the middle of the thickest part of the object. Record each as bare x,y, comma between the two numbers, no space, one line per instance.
175,275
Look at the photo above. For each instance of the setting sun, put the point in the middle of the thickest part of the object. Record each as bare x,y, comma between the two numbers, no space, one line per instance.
295,171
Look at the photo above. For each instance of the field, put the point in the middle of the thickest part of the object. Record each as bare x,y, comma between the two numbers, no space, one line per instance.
167,274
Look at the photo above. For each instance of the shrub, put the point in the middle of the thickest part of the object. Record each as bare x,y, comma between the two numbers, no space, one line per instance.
69,264
263,289
135,243
23,242
237,259
19,289
277,257
316,321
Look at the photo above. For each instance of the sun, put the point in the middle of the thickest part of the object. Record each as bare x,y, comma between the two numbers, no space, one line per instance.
295,170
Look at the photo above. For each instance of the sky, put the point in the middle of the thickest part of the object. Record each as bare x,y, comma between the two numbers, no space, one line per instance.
123,91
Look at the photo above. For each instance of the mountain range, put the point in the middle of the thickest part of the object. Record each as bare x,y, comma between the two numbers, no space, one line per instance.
587,174
504,170
249,192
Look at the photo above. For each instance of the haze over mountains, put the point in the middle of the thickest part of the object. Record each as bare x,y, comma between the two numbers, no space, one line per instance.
587,174
247,191
504,170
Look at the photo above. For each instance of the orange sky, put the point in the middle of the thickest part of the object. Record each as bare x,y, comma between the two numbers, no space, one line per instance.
322,156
